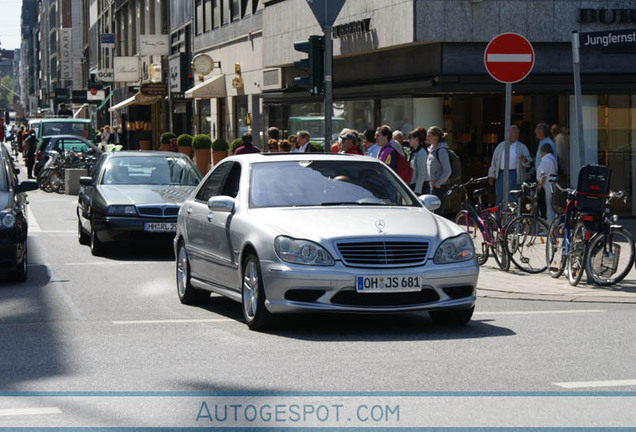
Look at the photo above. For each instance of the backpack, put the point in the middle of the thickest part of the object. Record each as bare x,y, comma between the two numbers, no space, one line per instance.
456,166
403,168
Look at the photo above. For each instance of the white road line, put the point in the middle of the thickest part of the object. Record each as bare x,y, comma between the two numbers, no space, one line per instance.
174,321
509,58
33,223
28,411
590,384
567,311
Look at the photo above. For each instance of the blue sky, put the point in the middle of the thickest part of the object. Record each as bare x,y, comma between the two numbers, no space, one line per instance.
10,11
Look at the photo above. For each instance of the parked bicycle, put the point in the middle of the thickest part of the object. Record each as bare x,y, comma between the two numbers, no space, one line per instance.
526,235
480,224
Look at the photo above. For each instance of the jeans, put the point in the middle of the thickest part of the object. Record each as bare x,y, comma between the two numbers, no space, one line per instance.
499,184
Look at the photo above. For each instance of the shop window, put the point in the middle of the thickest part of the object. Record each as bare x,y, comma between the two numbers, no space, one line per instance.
397,113
205,118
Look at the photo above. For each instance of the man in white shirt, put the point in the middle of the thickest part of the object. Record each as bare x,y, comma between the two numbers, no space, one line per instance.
520,160
547,168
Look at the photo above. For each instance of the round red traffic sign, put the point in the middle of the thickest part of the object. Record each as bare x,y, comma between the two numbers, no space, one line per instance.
93,91
509,57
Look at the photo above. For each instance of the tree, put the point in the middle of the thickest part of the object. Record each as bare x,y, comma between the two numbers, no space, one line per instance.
6,93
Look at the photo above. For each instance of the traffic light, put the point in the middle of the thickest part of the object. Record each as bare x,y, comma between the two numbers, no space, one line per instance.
314,64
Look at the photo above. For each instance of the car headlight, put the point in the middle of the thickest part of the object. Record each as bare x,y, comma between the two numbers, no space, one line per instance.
7,219
455,249
302,252
121,210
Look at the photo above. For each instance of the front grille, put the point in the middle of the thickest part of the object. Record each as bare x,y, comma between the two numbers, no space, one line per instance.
354,298
383,253
158,211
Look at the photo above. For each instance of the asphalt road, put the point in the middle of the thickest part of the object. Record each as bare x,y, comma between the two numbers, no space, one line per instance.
88,337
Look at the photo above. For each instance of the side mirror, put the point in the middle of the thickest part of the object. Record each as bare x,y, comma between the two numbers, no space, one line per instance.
26,185
87,181
221,203
431,202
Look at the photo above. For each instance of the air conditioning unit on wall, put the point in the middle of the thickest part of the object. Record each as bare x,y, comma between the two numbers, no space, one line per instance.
272,79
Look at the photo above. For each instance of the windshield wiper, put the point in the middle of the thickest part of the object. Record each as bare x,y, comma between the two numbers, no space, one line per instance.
344,203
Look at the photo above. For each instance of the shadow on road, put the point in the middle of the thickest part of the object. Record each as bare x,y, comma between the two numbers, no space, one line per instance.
321,327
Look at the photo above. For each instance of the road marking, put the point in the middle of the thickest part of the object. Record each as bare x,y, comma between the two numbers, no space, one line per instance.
28,411
33,223
509,58
567,311
174,321
589,384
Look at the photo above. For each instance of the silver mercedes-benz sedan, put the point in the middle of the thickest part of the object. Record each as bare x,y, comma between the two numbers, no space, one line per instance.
320,232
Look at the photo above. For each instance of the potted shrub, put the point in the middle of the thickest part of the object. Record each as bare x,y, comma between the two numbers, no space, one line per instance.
235,144
144,137
184,142
201,145
165,139
318,146
219,150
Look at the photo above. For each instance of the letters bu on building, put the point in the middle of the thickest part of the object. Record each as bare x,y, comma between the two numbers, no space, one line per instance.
606,39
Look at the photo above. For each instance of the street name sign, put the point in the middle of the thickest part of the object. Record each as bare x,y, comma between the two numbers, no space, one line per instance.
608,38
509,57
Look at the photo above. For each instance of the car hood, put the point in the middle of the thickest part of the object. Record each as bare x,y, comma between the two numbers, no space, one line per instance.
4,199
318,224
145,194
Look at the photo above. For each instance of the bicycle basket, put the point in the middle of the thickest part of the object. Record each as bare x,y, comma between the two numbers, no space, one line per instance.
559,199
592,189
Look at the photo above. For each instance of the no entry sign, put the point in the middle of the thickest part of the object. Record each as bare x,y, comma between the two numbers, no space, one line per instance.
509,57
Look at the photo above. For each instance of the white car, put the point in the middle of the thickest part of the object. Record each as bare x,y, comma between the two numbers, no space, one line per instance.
320,232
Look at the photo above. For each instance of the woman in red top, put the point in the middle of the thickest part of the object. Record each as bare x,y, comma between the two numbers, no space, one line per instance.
350,144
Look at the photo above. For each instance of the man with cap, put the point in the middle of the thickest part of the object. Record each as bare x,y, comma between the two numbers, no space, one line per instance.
350,143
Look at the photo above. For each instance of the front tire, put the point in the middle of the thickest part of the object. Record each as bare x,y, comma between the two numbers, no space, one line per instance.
255,314
609,258
525,243
452,317
83,238
97,246
554,255
188,294
576,255
20,273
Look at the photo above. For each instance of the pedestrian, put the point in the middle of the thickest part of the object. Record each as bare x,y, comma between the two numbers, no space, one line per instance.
273,133
293,140
519,162
304,146
350,144
438,164
272,146
285,146
545,170
562,142
64,111
31,144
542,132
247,146
387,153
396,141
370,146
106,138
418,160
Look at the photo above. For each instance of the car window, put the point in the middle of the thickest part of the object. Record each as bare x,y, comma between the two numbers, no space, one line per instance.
154,170
325,183
214,182
49,128
97,168
6,172
231,185
72,145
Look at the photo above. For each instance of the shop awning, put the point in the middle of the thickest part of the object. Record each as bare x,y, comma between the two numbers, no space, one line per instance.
210,89
106,99
138,99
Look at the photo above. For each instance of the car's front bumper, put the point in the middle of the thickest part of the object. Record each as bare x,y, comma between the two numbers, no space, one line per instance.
293,288
115,228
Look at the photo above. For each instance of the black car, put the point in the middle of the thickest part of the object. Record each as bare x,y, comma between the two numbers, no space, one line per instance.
133,195
61,143
13,220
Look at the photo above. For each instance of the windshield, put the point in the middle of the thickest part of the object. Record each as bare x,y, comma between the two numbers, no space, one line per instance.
66,128
326,183
156,170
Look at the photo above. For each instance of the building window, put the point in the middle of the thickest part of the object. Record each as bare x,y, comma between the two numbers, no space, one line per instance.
235,9
207,15
198,16
216,13
397,113
226,12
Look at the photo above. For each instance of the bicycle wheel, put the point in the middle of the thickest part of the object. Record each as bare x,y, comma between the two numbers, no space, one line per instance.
554,250
525,242
498,248
468,224
576,254
609,257
56,180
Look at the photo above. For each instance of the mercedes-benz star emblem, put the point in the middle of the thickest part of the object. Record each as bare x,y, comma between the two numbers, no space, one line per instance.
379,224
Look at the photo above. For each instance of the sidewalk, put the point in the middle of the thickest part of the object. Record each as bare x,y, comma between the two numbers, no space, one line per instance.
517,285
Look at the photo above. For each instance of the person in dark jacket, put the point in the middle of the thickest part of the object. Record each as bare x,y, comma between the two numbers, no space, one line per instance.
31,144
247,146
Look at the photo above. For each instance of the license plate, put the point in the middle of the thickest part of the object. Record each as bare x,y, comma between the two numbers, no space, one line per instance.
375,284
160,227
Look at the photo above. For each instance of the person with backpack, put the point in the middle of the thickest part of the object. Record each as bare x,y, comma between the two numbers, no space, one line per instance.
438,163
390,156
417,159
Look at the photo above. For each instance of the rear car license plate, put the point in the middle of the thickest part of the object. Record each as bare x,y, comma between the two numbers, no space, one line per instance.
383,284
160,227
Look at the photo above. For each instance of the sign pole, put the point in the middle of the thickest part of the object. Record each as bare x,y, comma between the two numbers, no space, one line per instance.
328,86
576,66
506,183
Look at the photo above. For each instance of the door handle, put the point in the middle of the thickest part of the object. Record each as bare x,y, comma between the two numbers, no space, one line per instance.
189,210
210,216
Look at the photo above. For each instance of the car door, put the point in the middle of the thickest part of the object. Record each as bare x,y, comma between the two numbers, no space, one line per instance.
85,194
196,223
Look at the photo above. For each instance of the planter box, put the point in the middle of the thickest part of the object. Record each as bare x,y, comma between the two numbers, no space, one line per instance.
145,145
187,150
218,156
202,160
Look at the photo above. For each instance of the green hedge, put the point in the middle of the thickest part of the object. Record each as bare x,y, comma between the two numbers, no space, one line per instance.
184,140
166,137
235,144
220,144
202,141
